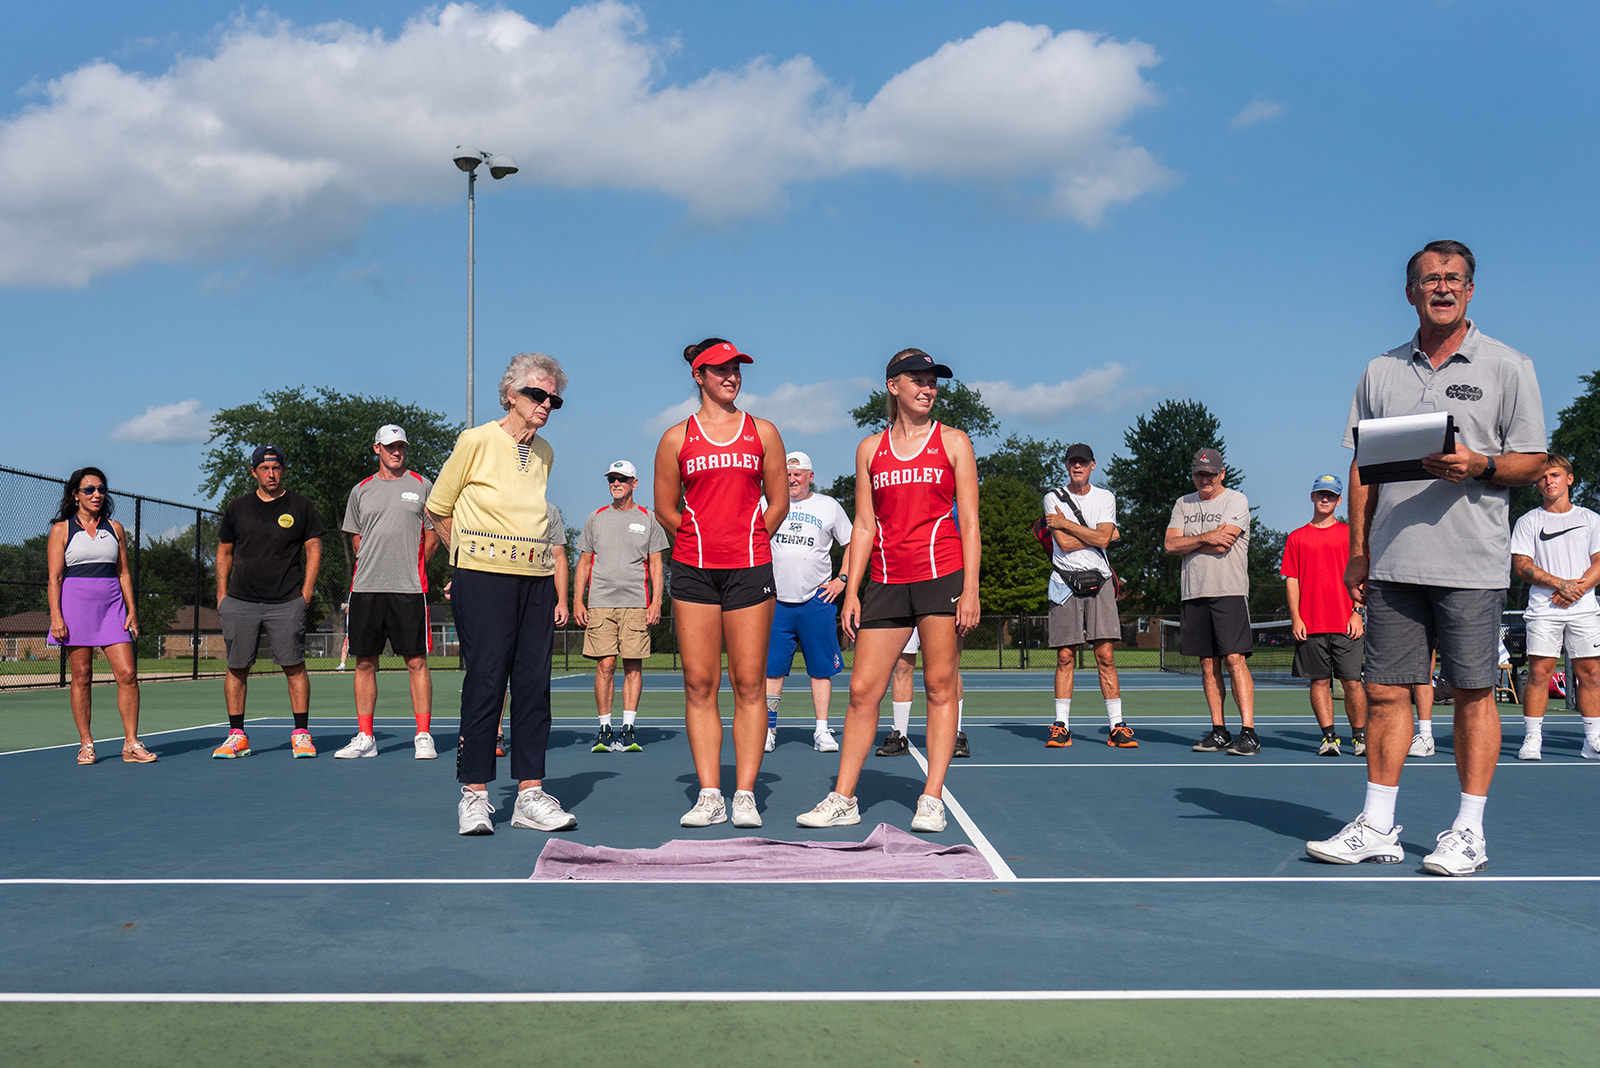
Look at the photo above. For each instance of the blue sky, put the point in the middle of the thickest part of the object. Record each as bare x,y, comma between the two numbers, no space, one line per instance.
1087,208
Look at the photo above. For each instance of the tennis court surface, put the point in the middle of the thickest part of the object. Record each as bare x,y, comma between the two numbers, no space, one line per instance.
1146,905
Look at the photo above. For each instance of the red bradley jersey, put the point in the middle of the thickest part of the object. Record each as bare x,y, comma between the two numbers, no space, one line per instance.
723,523
916,537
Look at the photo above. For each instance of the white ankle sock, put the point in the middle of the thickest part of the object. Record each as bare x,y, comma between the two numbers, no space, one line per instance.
605,720
1114,710
628,716
1591,731
1064,710
1470,815
1379,808
1532,726
902,715
1425,727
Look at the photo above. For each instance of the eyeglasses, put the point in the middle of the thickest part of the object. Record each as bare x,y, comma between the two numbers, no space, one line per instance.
92,491
539,396
1453,282
614,479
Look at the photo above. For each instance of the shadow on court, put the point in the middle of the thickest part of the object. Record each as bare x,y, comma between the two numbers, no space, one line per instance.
1273,814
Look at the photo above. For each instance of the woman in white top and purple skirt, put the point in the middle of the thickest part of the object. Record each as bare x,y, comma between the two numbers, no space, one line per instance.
91,605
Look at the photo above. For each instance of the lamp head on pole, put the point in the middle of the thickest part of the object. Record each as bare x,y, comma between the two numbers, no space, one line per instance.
468,159
500,166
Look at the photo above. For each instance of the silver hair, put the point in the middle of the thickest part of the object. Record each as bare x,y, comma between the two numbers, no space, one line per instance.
527,363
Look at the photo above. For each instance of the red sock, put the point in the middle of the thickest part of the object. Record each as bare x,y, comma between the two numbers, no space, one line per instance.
364,724
424,719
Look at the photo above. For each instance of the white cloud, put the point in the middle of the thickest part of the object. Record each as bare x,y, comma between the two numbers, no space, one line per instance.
172,423
809,409
1257,111
1099,389
282,140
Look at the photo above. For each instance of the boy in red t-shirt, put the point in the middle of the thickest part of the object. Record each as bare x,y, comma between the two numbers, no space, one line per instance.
1327,627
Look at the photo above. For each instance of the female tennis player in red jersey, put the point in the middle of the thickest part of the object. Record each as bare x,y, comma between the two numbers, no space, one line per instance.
923,575
711,472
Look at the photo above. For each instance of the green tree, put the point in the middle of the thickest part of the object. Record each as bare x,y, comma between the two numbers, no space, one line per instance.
1015,572
958,405
1577,437
24,570
1036,462
326,438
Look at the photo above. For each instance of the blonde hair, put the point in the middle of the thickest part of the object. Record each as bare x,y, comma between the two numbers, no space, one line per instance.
1555,459
524,364
891,406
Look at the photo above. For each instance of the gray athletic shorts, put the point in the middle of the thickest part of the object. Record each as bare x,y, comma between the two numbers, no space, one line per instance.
1328,656
1405,621
243,623
1085,619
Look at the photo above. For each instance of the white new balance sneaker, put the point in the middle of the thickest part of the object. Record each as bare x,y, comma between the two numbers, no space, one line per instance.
362,745
1421,746
423,743
823,741
1358,841
708,809
745,813
538,811
472,813
930,814
1458,853
835,810
1531,746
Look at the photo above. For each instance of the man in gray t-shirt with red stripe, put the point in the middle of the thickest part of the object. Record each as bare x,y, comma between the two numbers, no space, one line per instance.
388,522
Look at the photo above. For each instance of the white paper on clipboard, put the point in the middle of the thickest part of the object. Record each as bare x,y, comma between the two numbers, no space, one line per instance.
1391,449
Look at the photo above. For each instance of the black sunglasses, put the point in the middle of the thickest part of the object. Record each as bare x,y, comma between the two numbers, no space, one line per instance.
539,396
613,479
92,490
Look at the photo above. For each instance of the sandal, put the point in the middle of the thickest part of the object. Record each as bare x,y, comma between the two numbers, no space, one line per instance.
137,754
86,753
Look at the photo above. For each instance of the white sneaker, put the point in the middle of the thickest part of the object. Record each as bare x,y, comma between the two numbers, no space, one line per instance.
744,810
1530,748
1458,853
930,814
772,739
362,745
424,745
1421,746
1589,750
539,811
823,741
835,810
472,813
1359,841
708,809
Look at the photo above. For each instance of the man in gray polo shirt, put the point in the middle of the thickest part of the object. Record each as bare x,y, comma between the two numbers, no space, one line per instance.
387,519
1210,529
1431,558
618,599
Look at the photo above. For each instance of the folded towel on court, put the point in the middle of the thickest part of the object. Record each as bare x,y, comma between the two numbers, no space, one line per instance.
888,853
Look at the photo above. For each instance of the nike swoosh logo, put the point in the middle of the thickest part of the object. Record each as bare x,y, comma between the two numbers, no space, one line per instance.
1546,535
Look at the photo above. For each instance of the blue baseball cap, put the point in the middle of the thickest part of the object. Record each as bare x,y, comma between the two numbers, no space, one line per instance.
1328,484
263,453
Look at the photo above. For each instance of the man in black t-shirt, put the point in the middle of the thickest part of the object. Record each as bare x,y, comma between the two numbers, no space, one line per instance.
262,588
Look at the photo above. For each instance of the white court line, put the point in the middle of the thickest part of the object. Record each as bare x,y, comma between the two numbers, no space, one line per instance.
1086,880
834,996
1448,765
991,855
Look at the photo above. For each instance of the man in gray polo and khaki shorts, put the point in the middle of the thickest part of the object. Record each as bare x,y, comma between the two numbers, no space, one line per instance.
618,598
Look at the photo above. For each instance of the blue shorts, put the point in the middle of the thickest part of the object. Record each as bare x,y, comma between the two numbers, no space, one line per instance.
814,627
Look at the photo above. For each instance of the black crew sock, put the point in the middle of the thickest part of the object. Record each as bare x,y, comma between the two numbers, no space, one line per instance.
236,723
302,720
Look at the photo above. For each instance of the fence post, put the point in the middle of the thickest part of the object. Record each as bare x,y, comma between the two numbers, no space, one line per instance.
199,581
133,552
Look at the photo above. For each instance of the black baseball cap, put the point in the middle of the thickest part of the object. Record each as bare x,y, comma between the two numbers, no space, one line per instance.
264,453
1079,451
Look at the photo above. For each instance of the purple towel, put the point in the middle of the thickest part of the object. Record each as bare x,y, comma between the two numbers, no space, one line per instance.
888,853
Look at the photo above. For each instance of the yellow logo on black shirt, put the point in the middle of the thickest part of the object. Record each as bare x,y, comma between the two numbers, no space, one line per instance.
286,521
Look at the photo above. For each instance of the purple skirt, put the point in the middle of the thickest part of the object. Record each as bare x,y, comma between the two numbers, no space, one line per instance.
94,612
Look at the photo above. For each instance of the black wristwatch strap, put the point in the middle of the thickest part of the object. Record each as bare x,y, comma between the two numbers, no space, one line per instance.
1488,471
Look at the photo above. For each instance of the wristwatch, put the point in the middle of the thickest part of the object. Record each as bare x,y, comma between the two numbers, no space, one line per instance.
844,578
1488,471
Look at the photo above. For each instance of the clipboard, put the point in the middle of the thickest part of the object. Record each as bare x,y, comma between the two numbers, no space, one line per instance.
1394,447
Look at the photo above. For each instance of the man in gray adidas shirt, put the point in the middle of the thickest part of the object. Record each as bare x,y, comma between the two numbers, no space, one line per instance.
388,521
617,600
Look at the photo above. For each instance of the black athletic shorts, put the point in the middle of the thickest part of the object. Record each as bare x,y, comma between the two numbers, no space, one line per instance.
1215,626
401,619
731,588
885,605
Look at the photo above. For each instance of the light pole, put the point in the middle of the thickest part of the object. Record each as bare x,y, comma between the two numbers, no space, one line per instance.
468,159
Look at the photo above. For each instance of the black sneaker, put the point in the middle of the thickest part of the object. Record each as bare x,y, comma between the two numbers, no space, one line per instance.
1247,744
1358,741
626,741
1215,742
603,740
962,748
1330,746
896,744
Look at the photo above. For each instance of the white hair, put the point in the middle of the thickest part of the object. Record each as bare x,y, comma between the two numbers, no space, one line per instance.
529,363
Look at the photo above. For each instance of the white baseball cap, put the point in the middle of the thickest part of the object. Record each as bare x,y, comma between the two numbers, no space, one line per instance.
623,468
799,459
388,434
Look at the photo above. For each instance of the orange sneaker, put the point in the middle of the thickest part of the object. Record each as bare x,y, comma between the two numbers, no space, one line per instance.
234,745
300,742
1060,737
1122,737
